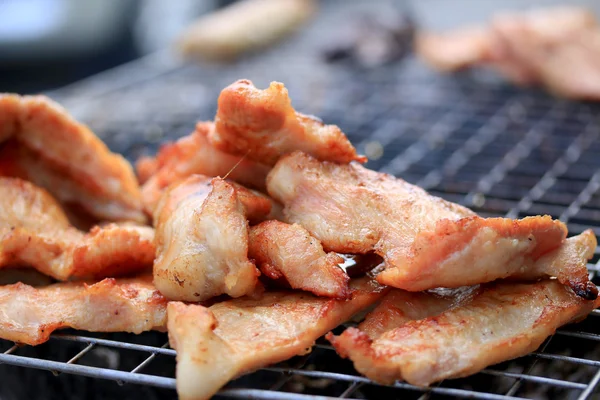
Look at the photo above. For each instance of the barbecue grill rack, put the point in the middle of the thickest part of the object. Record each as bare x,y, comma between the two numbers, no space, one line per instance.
468,138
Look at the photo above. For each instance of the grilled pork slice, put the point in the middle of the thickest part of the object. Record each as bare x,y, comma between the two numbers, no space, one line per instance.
16,160
193,154
100,182
35,232
202,239
426,242
426,337
29,315
237,336
263,125
290,252
568,263
498,248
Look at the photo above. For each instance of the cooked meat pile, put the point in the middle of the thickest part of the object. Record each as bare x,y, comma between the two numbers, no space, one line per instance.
558,48
457,292
424,240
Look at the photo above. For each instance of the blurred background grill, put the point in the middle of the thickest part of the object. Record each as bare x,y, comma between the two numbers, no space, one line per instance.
469,138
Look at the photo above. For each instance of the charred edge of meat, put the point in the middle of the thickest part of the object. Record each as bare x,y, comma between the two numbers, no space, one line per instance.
585,290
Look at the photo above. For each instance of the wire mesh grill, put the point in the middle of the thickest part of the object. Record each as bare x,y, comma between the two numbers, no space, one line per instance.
468,138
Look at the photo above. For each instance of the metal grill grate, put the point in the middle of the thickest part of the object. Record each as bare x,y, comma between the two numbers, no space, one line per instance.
468,138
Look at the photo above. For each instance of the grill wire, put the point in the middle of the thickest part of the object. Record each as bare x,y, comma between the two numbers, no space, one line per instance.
470,139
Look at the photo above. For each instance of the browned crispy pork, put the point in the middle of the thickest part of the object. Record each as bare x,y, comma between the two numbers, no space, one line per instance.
29,315
426,337
237,336
193,154
289,252
262,125
99,181
202,239
426,242
35,232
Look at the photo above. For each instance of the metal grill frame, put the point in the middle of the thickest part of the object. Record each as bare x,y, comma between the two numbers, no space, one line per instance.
136,376
441,129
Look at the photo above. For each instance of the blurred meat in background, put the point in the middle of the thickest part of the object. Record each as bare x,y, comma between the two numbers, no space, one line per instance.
556,47
244,26
45,44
